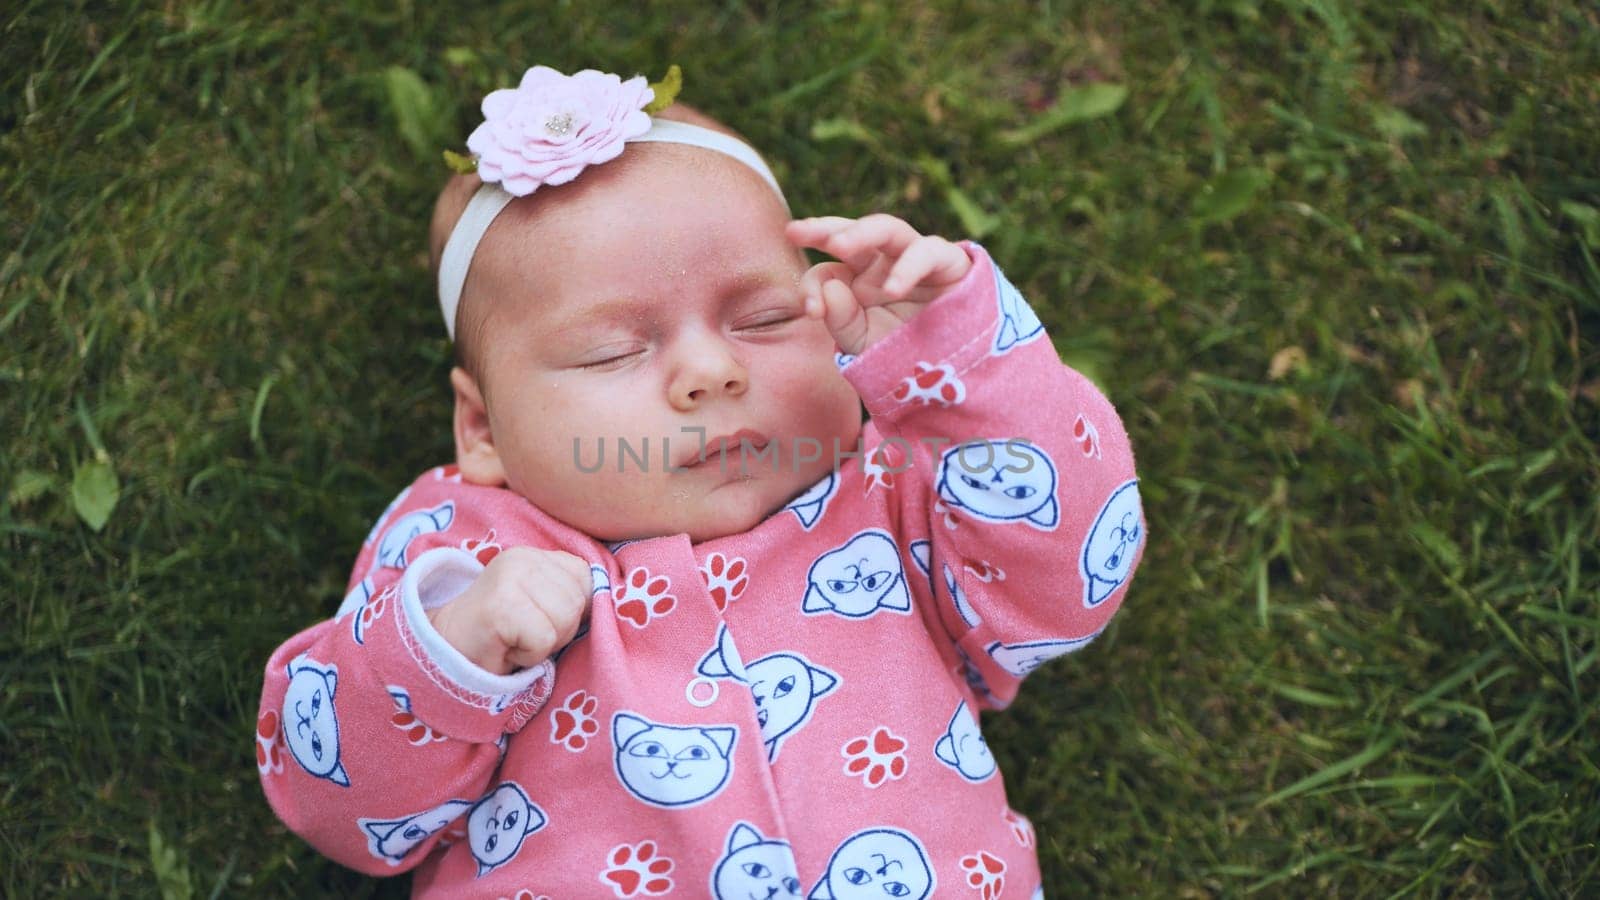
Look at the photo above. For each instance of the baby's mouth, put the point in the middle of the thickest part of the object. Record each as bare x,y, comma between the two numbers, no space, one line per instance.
729,451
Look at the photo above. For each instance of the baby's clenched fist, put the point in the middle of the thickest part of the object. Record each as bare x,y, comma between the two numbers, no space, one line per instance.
525,605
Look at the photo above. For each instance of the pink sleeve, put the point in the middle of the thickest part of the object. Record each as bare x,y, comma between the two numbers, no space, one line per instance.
1031,503
375,736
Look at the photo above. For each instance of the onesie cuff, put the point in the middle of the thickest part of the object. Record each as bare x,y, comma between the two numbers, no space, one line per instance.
478,701
922,362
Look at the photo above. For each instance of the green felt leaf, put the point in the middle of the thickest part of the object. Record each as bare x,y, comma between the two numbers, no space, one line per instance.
666,90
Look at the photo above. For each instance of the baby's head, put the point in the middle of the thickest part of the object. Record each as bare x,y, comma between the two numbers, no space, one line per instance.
653,301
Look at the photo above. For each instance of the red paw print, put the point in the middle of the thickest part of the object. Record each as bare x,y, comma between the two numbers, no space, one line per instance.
985,873
985,572
881,465
269,750
932,384
573,723
417,731
1021,828
526,894
636,869
1088,438
483,549
643,598
725,579
877,757
450,473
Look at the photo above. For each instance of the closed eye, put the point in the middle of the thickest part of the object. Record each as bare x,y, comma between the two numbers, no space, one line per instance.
769,319
611,358
766,322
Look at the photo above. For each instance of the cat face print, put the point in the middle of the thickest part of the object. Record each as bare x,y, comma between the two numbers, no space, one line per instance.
809,506
310,726
392,549
1020,659
785,687
877,863
754,868
1018,322
963,748
858,579
671,765
391,839
1001,481
1112,544
499,822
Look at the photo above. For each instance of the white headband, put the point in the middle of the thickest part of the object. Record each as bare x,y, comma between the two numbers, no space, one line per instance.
490,199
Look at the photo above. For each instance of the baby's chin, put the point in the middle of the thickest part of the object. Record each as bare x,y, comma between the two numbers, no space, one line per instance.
733,508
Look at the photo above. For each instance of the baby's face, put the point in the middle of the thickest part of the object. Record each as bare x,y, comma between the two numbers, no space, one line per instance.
657,297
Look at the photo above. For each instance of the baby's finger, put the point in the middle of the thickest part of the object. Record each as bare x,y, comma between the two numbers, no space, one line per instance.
576,568
843,315
812,281
815,231
860,244
931,261
566,597
529,633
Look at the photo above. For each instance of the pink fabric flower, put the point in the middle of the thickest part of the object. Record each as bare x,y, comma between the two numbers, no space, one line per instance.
551,126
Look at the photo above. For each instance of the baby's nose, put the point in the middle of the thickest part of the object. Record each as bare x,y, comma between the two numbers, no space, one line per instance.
707,369
731,386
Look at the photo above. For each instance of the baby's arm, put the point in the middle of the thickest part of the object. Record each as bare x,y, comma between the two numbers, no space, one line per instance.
1029,494
378,733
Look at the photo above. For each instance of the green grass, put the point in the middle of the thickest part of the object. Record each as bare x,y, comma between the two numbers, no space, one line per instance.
1335,262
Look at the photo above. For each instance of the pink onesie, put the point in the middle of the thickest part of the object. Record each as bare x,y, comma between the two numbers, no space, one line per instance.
786,712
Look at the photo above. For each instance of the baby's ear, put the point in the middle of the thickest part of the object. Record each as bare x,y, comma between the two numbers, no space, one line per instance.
476,454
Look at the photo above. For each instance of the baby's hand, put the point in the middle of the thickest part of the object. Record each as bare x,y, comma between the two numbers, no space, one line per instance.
887,272
522,607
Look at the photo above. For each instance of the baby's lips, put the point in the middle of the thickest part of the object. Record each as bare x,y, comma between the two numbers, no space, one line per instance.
714,448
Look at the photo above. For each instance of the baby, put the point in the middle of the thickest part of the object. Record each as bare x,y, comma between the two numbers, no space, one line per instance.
676,619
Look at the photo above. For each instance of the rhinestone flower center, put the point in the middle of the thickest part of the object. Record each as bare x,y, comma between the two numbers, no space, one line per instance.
558,125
